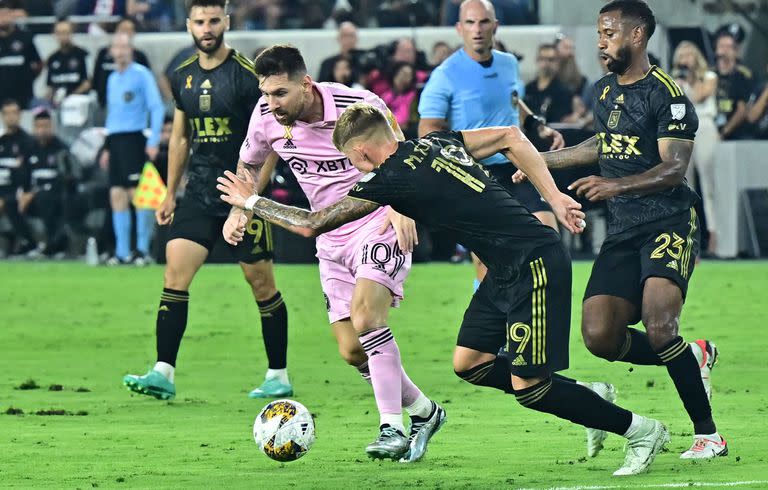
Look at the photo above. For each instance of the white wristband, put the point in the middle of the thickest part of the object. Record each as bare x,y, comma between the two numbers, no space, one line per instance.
251,202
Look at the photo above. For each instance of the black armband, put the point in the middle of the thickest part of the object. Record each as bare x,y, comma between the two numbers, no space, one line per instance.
533,122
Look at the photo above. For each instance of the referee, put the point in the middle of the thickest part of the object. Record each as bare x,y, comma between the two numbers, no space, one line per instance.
132,96
478,87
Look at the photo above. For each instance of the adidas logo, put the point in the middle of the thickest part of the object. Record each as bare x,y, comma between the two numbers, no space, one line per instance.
163,308
374,353
289,145
672,264
619,99
519,361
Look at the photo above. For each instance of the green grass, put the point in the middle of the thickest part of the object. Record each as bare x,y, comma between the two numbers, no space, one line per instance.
86,327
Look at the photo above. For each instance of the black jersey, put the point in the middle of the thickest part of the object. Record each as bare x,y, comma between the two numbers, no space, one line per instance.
46,166
18,56
218,105
67,69
437,183
629,121
14,147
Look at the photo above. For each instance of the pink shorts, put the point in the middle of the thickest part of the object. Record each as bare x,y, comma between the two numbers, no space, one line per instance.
365,254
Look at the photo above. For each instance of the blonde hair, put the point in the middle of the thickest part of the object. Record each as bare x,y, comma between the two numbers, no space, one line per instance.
701,67
358,120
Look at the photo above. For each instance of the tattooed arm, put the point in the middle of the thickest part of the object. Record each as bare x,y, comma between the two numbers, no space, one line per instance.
306,223
313,223
584,153
675,155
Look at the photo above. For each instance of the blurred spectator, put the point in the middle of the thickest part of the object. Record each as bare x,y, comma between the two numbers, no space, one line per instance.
100,8
758,111
700,85
402,95
733,89
405,13
14,148
508,12
252,15
546,95
568,71
152,15
404,49
164,80
105,64
347,39
132,99
343,74
440,51
48,173
20,62
66,66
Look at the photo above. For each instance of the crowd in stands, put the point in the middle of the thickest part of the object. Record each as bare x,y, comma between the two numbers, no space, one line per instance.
57,178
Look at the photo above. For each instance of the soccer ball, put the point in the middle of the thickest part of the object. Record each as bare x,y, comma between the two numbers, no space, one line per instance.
284,430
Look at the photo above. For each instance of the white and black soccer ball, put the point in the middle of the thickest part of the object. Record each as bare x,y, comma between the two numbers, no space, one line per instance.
284,430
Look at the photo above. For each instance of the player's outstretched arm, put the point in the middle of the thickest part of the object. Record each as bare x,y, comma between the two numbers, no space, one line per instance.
297,220
585,153
675,155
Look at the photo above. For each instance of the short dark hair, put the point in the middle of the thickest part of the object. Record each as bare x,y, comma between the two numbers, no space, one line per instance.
544,46
6,102
42,114
279,59
189,4
635,9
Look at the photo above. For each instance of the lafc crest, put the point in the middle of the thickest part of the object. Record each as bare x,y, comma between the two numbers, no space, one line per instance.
613,119
205,97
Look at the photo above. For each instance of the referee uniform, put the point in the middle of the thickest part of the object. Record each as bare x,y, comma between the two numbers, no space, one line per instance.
471,94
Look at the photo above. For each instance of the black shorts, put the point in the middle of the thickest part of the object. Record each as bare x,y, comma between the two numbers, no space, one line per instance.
197,226
525,193
126,158
665,248
527,321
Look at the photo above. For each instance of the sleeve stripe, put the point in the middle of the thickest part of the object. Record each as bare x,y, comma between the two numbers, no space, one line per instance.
668,82
673,138
670,79
186,62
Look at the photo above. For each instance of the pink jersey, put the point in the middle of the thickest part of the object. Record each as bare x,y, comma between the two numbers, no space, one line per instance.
324,173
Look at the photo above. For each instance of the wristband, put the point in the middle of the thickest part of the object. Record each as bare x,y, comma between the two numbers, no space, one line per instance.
251,202
533,122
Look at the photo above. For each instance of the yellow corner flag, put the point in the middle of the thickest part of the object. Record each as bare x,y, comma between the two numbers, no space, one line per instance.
151,189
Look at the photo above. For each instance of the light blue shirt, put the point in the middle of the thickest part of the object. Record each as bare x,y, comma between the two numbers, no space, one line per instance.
132,99
470,95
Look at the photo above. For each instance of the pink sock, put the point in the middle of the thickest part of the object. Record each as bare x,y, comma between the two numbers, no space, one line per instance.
410,392
386,372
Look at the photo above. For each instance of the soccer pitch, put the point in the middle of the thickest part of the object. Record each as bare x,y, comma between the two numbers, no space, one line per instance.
84,328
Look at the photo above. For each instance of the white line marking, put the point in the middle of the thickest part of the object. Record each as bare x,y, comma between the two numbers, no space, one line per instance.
662,485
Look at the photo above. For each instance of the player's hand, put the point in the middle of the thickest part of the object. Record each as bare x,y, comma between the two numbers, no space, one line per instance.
104,160
405,229
547,133
25,199
151,152
568,212
595,188
235,191
164,214
519,177
234,227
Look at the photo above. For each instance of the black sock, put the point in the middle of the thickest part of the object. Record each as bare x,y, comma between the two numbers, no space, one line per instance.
274,329
571,401
171,323
494,374
684,371
637,350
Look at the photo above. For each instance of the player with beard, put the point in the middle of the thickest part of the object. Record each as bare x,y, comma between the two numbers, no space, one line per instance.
645,128
215,91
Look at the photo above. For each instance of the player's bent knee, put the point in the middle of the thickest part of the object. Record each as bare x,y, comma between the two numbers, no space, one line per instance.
354,355
660,332
600,341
